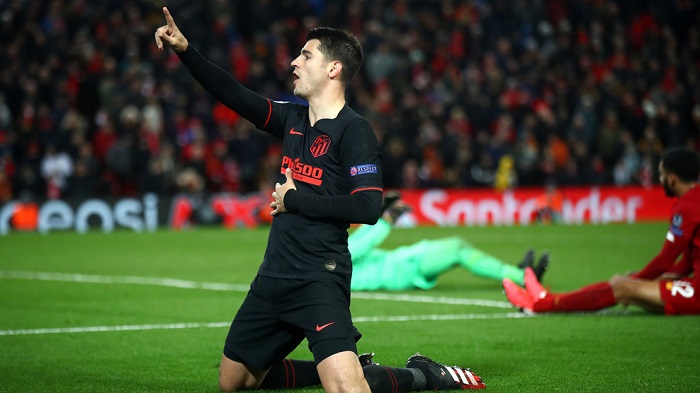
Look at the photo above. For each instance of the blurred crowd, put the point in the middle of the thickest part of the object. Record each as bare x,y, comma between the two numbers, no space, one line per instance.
461,93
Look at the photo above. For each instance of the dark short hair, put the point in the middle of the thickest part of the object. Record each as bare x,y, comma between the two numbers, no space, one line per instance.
341,46
684,162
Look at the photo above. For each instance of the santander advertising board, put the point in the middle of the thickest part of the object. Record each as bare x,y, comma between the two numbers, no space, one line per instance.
469,207
443,207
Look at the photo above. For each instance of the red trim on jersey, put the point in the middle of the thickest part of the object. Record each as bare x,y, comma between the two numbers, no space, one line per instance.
368,189
682,238
269,113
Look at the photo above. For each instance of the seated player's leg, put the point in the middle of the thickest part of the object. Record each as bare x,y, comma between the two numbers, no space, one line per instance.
677,297
536,299
517,295
641,293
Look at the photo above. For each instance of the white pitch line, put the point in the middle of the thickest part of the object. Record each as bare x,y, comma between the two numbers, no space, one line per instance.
438,317
134,280
121,328
196,325
214,286
431,299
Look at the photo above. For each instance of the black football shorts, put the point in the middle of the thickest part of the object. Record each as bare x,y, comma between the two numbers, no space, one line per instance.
278,313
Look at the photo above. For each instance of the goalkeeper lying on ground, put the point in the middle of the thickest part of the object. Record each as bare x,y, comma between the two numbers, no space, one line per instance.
418,265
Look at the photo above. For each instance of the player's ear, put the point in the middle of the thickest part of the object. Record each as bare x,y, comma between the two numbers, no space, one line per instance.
671,179
335,67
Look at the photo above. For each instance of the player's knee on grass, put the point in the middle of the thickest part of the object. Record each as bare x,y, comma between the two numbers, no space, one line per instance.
231,383
234,376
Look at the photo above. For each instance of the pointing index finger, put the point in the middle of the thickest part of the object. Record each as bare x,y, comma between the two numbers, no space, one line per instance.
168,18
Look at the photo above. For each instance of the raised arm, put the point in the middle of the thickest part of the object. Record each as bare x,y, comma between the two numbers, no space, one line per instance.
219,83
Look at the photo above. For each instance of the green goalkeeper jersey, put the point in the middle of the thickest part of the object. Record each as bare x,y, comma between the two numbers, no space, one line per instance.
376,269
417,265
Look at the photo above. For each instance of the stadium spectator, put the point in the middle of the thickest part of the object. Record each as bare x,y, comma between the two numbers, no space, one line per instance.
156,179
5,186
667,284
247,145
305,275
56,167
119,165
551,69
30,184
549,205
419,265
82,183
104,137
222,169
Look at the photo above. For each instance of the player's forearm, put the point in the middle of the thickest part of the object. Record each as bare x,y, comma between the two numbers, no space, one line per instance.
366,237
662,263
359,208
681,269
225,88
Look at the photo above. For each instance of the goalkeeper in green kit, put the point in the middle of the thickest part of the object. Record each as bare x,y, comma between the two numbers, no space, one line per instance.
418,265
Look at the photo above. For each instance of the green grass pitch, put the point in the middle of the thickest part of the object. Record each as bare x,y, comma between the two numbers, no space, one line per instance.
97,313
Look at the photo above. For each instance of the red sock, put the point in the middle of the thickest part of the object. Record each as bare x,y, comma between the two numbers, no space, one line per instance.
590,298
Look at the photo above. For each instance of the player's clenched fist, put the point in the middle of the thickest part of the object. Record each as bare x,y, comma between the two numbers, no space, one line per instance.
170,34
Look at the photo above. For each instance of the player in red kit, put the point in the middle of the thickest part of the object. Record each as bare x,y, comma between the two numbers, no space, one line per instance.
667,284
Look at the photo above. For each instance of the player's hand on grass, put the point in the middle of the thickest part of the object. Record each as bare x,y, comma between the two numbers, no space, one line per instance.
277,204
618,278
170,34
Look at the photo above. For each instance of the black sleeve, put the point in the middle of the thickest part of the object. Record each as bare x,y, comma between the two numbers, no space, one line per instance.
359,208
225,88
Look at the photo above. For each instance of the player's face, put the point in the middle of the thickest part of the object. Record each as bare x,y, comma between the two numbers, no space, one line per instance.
666,181
310,72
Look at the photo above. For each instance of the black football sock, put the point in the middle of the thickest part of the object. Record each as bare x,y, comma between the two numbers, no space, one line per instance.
290,373
382,379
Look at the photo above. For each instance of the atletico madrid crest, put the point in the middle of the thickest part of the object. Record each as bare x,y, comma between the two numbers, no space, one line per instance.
320,145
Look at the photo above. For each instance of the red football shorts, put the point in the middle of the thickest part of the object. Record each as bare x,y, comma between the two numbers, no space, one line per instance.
680,296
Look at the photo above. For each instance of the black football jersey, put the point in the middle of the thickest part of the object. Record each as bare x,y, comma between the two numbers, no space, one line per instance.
333,158
337,156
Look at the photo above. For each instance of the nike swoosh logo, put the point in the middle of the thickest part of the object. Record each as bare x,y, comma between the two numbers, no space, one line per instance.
319,328
293,132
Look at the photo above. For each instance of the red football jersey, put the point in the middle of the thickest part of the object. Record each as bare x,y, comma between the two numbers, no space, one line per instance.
682,238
